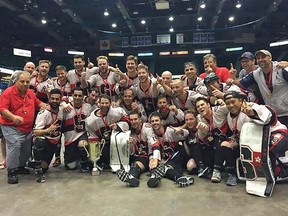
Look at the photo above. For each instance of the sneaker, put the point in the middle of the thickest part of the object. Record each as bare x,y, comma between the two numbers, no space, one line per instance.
185,181
216,176
57,162
127,178
153,181
23,171
40,178
204,172
232,180
12,176
85,167
156,175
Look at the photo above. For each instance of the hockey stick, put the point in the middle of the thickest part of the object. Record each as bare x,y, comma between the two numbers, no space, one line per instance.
121,165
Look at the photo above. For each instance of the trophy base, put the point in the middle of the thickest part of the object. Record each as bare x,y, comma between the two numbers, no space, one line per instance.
95,172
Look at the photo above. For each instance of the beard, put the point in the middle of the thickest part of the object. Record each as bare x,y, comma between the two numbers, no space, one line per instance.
54,106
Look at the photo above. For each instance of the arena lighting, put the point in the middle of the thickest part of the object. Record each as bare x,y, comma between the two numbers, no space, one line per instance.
21,52
232,49
202,5
43,21
171,18
202,51
231,19
73,52
238,5
6,71
164,53
116,54
114,25
200,19
183,52
47,49
143,22
171,29
145,54
106,13
279,43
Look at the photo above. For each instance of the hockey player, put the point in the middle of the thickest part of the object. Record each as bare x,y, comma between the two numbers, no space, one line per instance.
171,115
147,90
74,129
171,155
42,84
46,134
145,152
129,104
241,112
184,99
212,129
102,121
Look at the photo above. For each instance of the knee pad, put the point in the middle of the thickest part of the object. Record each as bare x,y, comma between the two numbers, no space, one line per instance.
191,164
82,143
71,165
40,142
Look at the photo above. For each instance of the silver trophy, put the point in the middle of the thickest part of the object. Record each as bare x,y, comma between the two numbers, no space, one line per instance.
95,152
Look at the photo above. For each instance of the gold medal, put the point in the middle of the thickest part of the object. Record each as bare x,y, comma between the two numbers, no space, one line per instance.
269,94
210,138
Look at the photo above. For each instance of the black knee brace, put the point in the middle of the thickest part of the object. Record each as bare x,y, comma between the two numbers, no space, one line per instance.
38,149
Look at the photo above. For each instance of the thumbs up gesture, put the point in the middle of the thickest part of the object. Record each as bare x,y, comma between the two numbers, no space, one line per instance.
232,71
89,64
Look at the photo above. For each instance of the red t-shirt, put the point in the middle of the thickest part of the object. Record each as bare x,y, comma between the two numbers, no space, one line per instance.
18,105
221,72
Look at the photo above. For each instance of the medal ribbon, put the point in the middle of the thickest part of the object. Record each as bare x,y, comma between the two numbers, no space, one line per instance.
78,114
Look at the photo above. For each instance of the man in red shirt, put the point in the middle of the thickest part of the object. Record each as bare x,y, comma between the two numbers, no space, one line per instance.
17,108
210,65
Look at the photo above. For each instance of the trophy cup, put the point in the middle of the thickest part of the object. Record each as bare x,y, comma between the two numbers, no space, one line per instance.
95,152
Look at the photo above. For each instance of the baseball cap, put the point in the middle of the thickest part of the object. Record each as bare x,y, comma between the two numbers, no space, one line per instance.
210,78
265,52
247,55
235,94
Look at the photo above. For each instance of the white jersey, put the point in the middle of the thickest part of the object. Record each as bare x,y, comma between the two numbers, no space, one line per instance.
217,123
74,122
45,119
75,79
65,89
169,143
105,86
141,111
41,89
189,102
265,117
98,126
147,98
146,142
172,119
198,81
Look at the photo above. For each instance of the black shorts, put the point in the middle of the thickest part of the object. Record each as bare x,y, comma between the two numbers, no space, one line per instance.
72,152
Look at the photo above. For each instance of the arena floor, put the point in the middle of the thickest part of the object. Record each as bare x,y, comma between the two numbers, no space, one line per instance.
74,193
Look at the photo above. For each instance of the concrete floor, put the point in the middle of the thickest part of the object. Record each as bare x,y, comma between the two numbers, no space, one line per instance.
74,193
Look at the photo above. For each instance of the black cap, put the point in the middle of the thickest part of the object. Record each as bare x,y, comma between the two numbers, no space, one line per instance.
247,55
235,94
210,78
